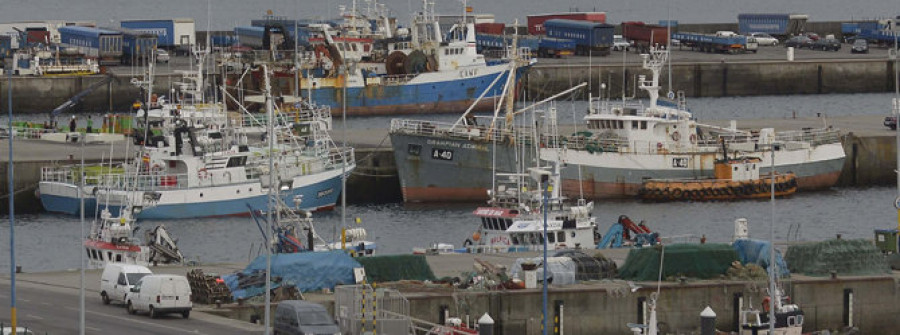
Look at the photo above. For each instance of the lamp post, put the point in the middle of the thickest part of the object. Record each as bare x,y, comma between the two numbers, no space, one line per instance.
772,265
546,191
12,212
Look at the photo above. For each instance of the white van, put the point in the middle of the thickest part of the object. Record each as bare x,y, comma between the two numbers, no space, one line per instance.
160,294
117,280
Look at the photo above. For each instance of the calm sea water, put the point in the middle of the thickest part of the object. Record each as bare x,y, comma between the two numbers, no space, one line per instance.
53,242
226,14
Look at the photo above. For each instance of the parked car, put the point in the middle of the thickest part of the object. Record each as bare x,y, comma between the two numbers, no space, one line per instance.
798,42
160,294
19,331
118,279
890,122
620,43
162,56
826,44
764,39
303,317
860,46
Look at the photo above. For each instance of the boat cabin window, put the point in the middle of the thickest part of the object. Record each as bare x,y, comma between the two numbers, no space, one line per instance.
621,124
643,124
560,237
119,258
484,223
88,251
109,255
236,161
634,125
514,238
551,238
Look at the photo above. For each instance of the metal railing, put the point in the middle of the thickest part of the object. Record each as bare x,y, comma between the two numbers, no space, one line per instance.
444,129
359,309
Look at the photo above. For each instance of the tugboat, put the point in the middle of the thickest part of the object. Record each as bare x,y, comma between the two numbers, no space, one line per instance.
736,178
112,241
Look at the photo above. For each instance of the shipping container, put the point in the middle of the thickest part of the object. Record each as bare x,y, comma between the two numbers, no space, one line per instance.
591,38
779,25
103,44
137,46
5,47
172,33
250,36
536,22
645,35
490,28
541,46
37,36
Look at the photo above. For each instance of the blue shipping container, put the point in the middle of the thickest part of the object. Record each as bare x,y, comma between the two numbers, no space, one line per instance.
588,36
95,42
776,24
5,46
163,29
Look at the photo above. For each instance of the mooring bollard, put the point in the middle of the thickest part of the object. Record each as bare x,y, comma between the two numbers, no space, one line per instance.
707,322
485,325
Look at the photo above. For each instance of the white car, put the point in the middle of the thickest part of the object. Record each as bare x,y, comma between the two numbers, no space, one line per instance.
764,39
620,43
162,56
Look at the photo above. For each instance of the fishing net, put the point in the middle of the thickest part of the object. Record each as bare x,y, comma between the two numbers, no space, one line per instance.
845,257
702,261
396,267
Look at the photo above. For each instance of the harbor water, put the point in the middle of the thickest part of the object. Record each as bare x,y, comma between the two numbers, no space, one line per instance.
47,242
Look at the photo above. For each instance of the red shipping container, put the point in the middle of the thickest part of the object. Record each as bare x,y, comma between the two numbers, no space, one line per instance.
37,36
490,28
641,33
536,22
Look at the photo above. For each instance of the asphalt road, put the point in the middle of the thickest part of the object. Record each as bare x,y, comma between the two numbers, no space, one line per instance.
54,310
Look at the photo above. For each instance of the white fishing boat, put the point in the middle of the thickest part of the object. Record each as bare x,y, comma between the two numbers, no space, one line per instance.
627,142
199,171
514,221
112,240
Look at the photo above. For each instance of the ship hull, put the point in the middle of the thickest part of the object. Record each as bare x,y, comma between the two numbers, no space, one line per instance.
465,175
427,93
318,191
602,175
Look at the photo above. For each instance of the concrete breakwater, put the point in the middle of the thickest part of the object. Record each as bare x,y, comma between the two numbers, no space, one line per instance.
43,94
726,77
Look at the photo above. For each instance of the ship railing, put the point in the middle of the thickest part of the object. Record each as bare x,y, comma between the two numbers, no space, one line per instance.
144,182
330,159
93,174
813,136
286,115
591,144
445,129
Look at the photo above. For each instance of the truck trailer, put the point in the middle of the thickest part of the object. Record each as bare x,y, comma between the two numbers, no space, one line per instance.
536,22
172,34
645,35
721,42
782,26
591,38
103,44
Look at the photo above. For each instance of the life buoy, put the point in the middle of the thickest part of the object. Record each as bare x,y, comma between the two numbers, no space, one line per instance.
202,173
693,138
676,136
156,168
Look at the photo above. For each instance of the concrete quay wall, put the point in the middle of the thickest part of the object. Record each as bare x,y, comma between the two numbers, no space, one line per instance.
596,310
724,78
43,94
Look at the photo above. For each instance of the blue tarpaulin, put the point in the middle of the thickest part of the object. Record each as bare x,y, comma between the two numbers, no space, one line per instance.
757,252
308,271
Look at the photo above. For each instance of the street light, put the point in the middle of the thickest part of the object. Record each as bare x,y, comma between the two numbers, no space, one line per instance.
12,212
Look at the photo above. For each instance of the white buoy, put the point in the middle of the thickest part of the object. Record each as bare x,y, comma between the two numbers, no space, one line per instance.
790,54
741,229
707,321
